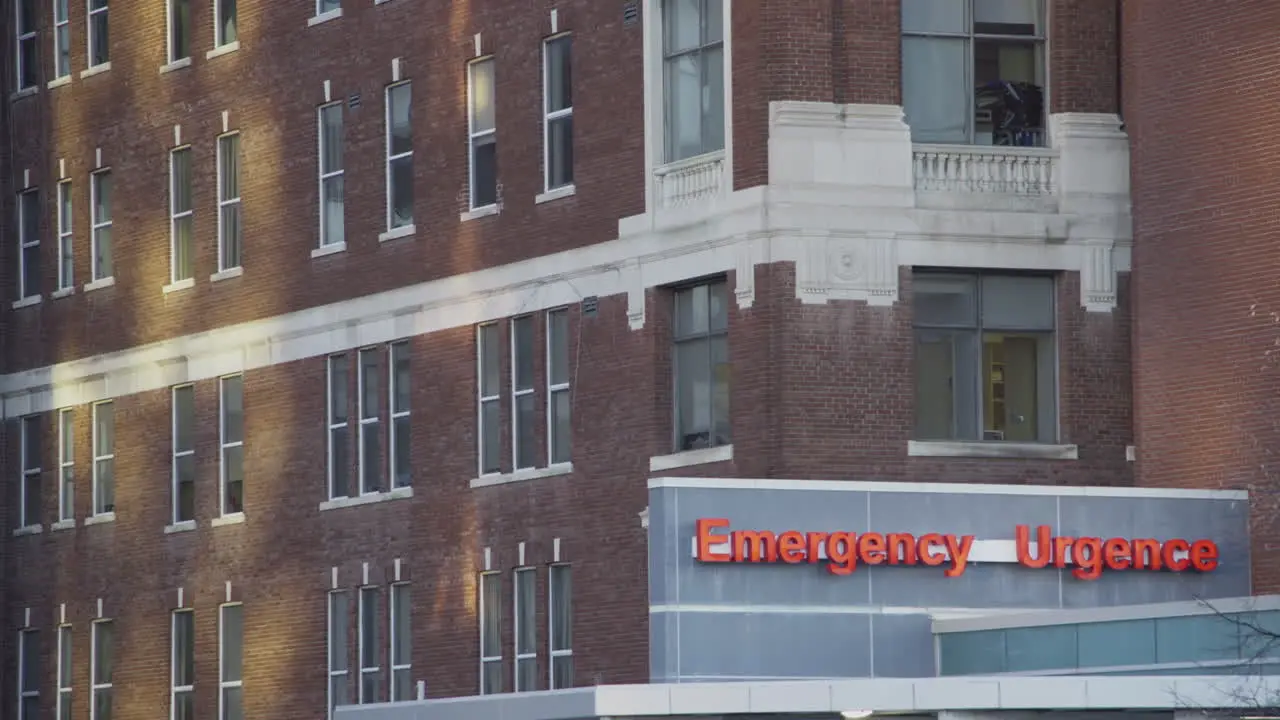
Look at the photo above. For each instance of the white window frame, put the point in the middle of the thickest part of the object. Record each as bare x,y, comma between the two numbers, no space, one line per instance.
517,393
333,425
488,659
64,683
111,456
96,226
169,31
552,651
364,423
398,156
30,36
66,241
94,686
66,465
61,20
219,32
392,616
371,592
325,236
23,694
175,215
224,445
28,472
483,400
89,34
334,672
393,436
223,684
25,243
174,688
554,389
523,574
225,202
473,135
174,489
549,115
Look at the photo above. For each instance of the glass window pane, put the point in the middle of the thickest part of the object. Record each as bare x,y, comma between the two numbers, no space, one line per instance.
1011,387
721,372
684,104
946,385
682,24
31,442
30,216
102,245
693,395
935,94
400,471
102,197
186,472
399,117
400,367
102,705
184,418
99,39
1006,17
934,16
1196,639
484,171
562,607
369,650
66,420
331,138
401,642
560,152
489,360
527,674
64,657
370,459
562,671
62,36
1126,642
1040,648
180,29
26,16
402,685
712,89
184,706
1017,303
232,703
64,207
233,475
481,94
183,248
972,653
338,382
558,340
333,210
233,409
105,487
227,22
693,311
181,188
559,85
229,167
339,691
340,463
370,687
942,300
31,270
232,645
526,596
491,599
183,648
522,336
401,192
339,623
104,647
31,661
370,395
491,680
104,429
561,430
491,452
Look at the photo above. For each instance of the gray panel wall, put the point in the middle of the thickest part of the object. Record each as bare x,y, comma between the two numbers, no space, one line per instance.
740,621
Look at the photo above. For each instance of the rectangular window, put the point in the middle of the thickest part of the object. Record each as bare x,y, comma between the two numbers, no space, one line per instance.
183,673
102,659
229,202
490,402
28,674
64,707
557,90
560,626
490,633
327,6
370,667
184,454
973,71
61,39
32,497
179,30
701,366
401,644
28,243
339,657
526,629
231,443
181,231
693,77
482,127
332,196
66,464
399,156
231,662
225,30
559,427
523,402
104,458
339,427
984,358
99,35
369,402
66,244
100,229
399,392
28,53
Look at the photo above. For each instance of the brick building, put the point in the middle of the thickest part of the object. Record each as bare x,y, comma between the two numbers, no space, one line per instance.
338,334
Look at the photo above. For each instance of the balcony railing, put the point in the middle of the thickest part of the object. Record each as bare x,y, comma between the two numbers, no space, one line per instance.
689,181
1022,171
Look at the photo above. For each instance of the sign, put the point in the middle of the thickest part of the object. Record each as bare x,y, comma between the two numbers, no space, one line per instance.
843,552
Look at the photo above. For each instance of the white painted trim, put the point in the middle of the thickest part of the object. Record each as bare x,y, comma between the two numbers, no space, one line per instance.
101,283
1131,453
946,488
63,525
228,519
324,17
402,231
106,517
222,49
563,191
64,292
227,274
962,449
28,530
689,458
366,499
184,526
328,249
480,212
522,475
174,287
59,82
95,70
175,65
1019,619
27,301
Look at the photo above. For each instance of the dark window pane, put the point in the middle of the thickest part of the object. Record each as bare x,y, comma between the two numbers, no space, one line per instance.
370,651
233,476
338,381
526,437
184,655
491,600
184,418
400,119
489,360
491,451
401,473
99,39
561,581
484,171
527,599
232,629
31,662
401,192
185,468
340,463
331,138
339,626
400,642
181,187
233,409
183,248
559,152
228,31
561,429
400,368
370,396
28,63
559,85
31,270
522,336
370,459
180,29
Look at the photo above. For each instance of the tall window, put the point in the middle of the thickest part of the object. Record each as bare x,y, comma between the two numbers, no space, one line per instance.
339,427
693,77
401,643
370,667
560,626
332,207
181,234
526,629
339,656
99,36
100,230
61,39
490,402
32,497
370,441
490,633
229,230
102,659
557,112
28,243
523,402
225,29
66,464
400,383
183,671
28,674
66,243
399,156
559,426
104,458
231,662
28,53
482,126
64,708
973,71
985,364
231,443
702,366
179,30
184,454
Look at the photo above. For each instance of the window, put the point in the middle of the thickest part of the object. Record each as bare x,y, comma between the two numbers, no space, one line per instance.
225,31
104,458
523,403
370,670
490,633
231,443
526,629
399,156
66,244
559,427
102,658
984,356
400,383
29,243
332,214
339,633
339,431
28,53
401,644
184,454
228,202
326,6
182,691
100,231
28,674
181,234
490,445
481,123
702,366
369,401
693,77
64,707
560,626
179,30
61,39
99,35
29,507
66,464
557,112
973,71
231,662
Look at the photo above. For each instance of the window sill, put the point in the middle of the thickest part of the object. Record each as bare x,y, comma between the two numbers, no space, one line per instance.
175,65
331,249
228,519
222,50
688,458
95,70
522,475
27,301
477,213
105,282
184,526
174,287
67,524
556,194
227,274
367,498
28,530
397,233
24,92
64,292
100,518
1026,451
381,2
59,82
324,17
